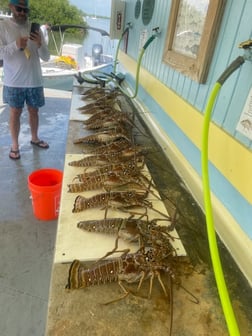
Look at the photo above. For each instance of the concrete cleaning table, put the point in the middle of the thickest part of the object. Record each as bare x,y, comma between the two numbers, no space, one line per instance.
84,311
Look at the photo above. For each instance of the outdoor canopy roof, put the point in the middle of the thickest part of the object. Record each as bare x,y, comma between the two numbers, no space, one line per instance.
63,27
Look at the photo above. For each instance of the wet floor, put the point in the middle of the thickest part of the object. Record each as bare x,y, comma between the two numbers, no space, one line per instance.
27,250
27,244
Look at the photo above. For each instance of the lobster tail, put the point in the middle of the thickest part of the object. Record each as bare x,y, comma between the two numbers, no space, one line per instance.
80,277
73,275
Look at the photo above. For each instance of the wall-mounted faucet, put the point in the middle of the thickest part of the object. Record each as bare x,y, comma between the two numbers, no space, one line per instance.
247,47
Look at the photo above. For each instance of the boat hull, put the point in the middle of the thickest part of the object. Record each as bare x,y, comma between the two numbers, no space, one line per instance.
64,82
55,78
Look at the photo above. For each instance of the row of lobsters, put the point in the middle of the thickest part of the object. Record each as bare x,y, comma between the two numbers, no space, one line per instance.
114,165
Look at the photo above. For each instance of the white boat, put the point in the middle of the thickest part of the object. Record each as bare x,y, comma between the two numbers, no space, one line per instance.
59,71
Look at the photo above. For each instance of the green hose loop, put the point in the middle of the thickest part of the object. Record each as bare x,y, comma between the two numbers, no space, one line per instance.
139,61
217,268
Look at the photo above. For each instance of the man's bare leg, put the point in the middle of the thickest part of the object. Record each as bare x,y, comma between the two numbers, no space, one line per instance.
14,125
34,125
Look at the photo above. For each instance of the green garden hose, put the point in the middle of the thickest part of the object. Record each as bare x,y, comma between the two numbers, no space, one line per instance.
217,268
139,61
118,46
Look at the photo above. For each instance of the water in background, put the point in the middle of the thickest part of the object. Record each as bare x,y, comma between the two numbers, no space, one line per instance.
109,46
93,37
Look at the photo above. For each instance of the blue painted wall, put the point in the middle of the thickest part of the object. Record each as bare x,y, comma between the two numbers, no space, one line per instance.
235,27
240,209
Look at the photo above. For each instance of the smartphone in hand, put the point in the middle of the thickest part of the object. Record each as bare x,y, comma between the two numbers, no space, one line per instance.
35,27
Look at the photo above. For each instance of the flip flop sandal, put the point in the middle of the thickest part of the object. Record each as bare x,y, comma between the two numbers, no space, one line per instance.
41,144
16,153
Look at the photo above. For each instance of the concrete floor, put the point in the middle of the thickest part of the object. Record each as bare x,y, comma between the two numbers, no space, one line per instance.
27,244
27,250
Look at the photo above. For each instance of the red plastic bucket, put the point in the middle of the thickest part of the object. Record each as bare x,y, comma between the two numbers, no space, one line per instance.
45,187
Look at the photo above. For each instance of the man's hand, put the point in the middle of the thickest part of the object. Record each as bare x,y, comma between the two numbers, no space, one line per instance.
35,37
21,42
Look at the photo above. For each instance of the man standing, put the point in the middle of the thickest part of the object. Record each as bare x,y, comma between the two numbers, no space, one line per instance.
21,51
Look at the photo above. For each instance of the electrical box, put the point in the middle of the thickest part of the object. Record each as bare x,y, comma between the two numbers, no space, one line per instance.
117,19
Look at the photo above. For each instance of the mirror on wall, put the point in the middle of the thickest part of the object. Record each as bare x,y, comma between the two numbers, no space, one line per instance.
191,35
